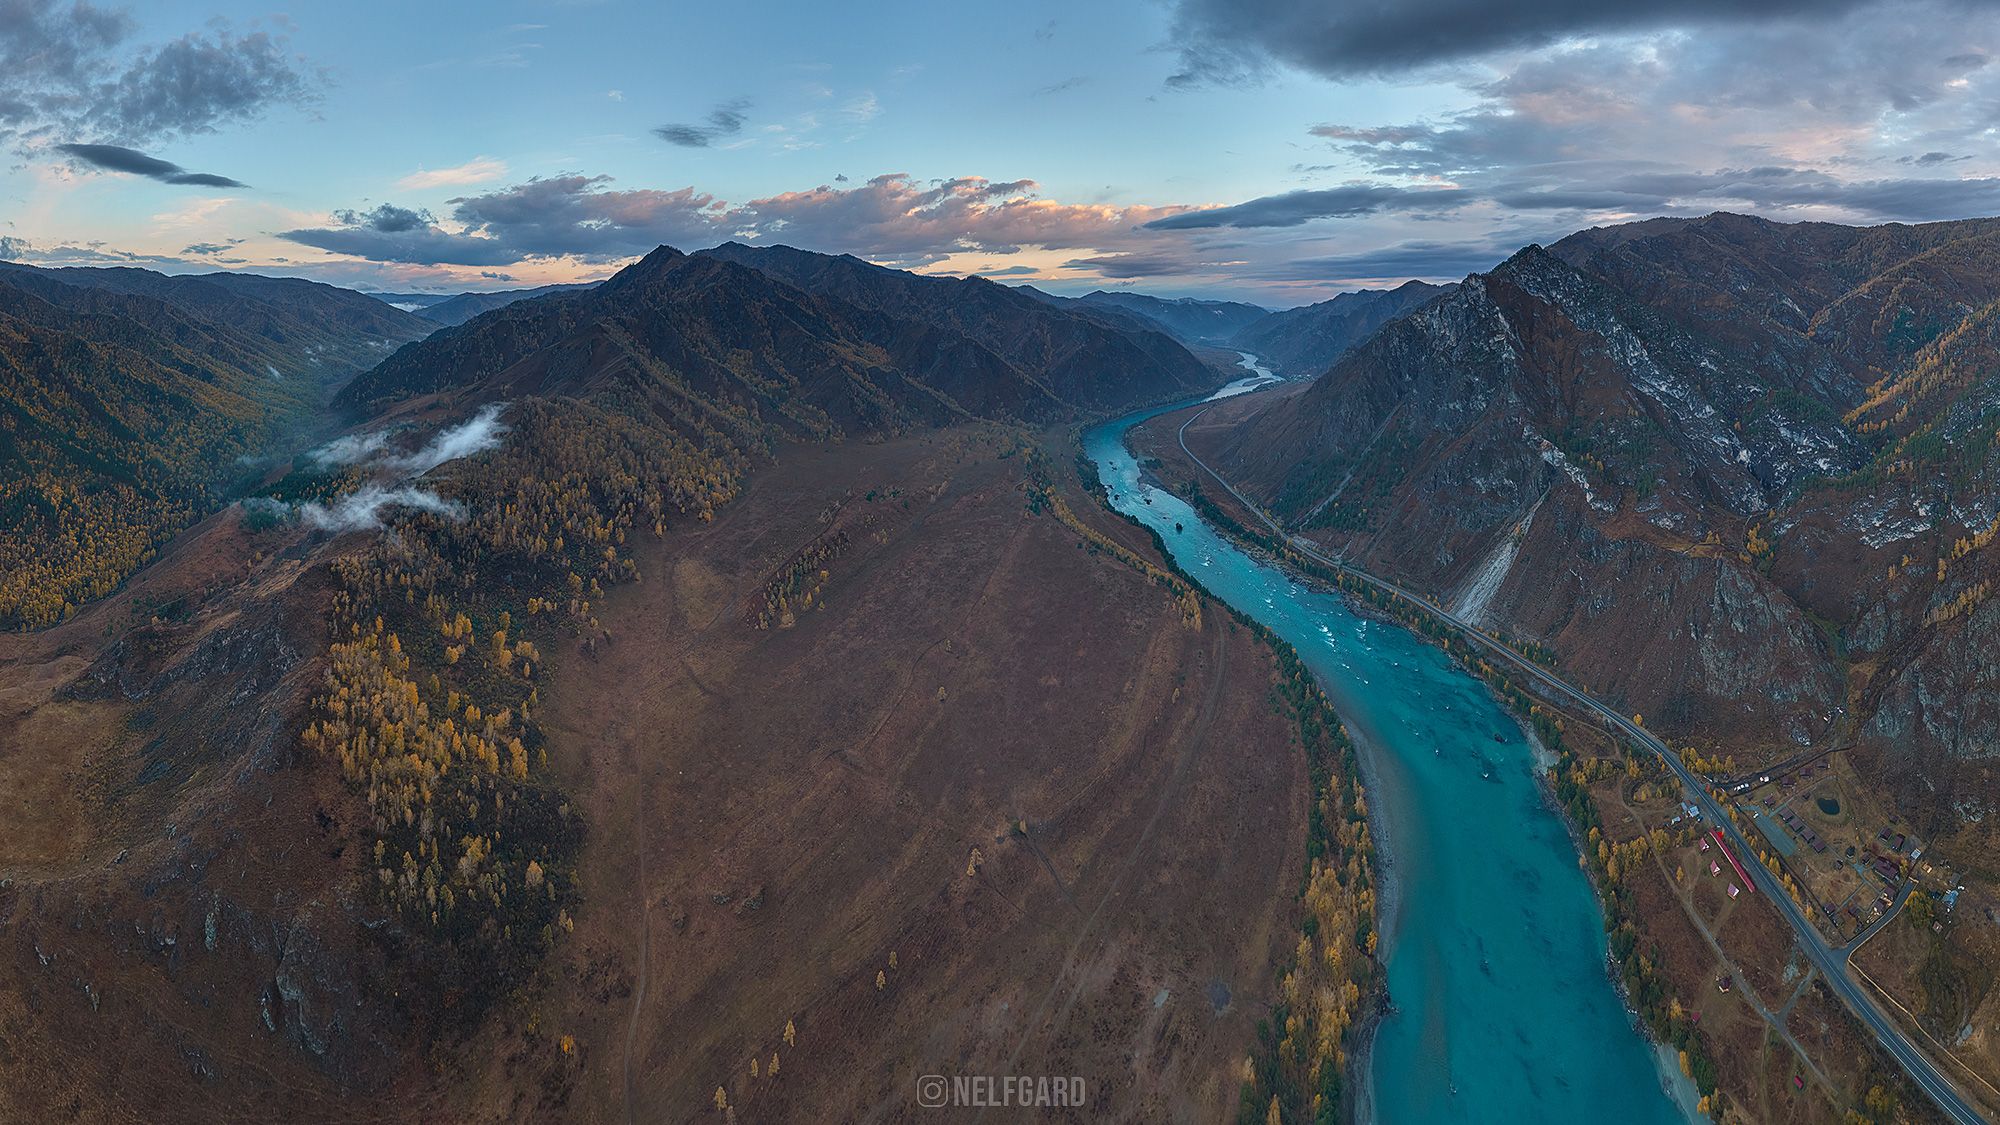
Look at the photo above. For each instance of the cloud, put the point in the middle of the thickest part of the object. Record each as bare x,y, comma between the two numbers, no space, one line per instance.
889,218
431,246
579,216
206,249
1227,41
860,110
725,120
389,233
1296,207
1062,87
362,509
386,218
1767,189
116,158
69,71
1136,264
349,449
89,254
199,82
1785,117
476,434
1415,258
475,171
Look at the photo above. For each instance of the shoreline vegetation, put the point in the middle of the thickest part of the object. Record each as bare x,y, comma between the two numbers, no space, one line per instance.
1634,970
1674,1029
1331,996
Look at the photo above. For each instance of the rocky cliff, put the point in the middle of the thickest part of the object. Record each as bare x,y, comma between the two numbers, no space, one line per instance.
1738,474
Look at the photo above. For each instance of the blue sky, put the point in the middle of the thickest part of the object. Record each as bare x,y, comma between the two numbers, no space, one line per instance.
1250,148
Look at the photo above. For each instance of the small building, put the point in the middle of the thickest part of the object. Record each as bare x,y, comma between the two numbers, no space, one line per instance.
1722,845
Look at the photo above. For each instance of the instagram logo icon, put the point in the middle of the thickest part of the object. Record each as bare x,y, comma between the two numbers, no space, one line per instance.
932,1091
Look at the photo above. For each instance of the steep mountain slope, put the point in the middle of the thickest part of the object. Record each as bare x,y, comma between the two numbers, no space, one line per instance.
1305,341
1743,471
1185,318
465,306
1087,362
134,399
725,350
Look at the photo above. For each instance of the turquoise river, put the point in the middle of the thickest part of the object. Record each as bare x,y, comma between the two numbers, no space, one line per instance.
1502,1007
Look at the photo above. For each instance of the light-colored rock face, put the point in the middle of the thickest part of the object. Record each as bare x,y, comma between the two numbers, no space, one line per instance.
1748,449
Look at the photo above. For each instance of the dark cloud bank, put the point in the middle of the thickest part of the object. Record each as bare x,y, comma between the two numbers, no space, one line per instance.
116,158
72,79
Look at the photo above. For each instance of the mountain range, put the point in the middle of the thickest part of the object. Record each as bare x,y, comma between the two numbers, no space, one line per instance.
418,777
134,401
730,660
742,342
1302,342
1745,471
1185,318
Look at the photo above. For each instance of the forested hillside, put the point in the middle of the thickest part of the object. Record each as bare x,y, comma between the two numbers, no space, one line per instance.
133,401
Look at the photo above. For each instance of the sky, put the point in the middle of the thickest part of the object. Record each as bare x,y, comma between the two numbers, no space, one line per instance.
1276,151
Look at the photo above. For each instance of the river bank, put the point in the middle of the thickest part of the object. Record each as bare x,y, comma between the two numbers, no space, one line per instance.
1491,932
1227,513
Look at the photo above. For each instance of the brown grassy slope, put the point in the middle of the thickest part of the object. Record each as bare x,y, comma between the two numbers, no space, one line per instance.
810,775
173,873
777,812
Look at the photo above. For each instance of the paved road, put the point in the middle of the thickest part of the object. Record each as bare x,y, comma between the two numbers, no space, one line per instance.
1861,939
1758,778
1832,963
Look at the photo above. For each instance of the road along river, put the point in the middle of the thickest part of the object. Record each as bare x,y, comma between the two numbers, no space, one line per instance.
1493,941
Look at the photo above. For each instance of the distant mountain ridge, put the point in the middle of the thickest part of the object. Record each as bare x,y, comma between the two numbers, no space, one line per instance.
307,327
1305,341
1188,319
459,308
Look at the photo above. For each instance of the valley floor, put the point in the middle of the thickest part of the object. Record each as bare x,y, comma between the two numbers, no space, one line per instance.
886,773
